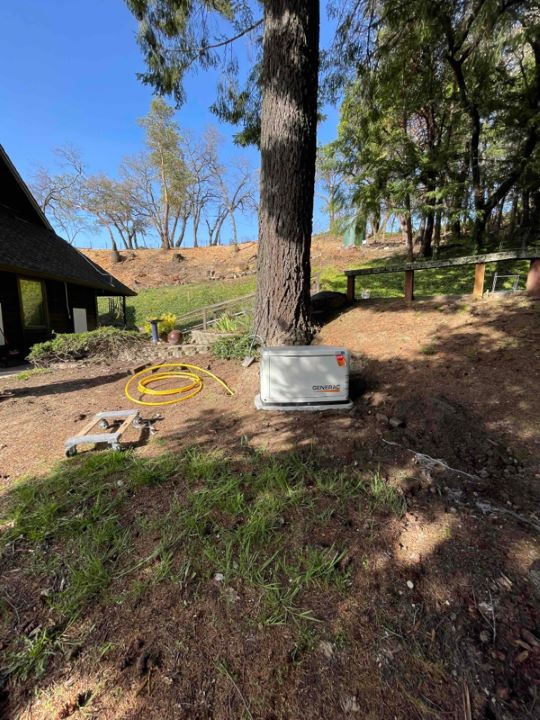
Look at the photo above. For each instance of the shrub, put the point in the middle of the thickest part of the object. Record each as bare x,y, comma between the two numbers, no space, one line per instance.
166,323
100,344
234,348
233,323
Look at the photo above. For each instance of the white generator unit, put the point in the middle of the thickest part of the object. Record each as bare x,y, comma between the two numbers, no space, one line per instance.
304,377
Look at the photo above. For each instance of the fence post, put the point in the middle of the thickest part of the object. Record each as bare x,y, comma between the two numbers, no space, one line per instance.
409,285
350,288
205,318
479,274
533,278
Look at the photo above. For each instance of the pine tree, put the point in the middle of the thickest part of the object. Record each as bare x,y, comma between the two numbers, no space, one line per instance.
175,35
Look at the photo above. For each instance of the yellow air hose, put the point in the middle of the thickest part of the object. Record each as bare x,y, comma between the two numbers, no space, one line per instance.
192,387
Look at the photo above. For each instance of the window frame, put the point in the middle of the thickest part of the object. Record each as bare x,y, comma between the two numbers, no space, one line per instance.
26,327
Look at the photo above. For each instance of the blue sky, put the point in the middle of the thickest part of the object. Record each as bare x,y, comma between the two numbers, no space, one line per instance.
70,78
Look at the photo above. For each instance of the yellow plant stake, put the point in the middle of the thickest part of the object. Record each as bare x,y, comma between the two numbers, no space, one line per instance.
187,390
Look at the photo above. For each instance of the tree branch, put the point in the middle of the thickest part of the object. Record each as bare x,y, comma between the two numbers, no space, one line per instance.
205,48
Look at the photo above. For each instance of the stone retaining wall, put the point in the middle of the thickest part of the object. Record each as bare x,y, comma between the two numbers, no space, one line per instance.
162,351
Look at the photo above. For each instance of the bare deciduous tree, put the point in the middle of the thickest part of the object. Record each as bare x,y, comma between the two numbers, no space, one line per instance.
60,194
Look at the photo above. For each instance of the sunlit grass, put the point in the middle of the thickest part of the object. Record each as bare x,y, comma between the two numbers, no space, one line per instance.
181,299
246,522
439,281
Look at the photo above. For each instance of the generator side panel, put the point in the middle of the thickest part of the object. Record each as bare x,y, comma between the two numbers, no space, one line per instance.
304,378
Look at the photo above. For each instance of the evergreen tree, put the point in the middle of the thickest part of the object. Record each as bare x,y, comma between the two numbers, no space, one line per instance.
175,35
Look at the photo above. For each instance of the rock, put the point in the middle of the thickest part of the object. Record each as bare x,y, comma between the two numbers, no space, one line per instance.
485,608
349,703
219,577
396,422
410,485
327,301
327,649
534,577
485,636
410,584
376,399
529,637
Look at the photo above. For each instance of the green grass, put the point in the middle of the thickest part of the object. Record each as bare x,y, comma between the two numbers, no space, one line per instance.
439,281
181,299
247,522
27,374
70,523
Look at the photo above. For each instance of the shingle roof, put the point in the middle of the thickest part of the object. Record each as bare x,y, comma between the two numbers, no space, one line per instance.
35,250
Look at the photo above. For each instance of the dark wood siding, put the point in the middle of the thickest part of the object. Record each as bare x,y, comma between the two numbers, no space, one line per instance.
11,310
59,317
83,297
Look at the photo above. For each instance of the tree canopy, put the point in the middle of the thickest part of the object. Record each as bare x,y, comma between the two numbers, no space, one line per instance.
441,114
176,35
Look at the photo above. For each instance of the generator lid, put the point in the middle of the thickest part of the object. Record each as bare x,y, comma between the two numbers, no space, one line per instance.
299,350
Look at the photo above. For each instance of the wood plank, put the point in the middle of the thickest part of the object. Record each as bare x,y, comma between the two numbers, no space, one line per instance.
124,426
533,278
479,275
86,429
350,288
409,285
450,262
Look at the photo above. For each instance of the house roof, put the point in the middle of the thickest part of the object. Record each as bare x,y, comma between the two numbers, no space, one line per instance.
34,250
29,245
16,194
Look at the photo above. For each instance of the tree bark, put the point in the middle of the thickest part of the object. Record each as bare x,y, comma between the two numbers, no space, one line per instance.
115,255
235,232
406,229
421,230
437,233
288,147
427,235
182,231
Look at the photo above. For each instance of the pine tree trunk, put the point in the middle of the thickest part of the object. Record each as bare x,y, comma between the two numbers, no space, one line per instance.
288,146
406,229
437,233
427,235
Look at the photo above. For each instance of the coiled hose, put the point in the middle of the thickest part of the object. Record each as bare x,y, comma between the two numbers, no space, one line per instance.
192,387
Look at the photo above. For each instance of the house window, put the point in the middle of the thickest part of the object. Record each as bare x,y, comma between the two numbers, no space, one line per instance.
34,312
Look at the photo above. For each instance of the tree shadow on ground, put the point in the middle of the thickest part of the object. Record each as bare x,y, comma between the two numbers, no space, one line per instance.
442,605
67,386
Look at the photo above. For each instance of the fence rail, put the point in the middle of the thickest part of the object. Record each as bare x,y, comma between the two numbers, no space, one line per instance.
208,313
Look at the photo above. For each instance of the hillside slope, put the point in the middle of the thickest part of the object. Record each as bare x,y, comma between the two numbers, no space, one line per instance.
150,268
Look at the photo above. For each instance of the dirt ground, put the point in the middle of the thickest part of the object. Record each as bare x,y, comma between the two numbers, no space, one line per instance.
453,380
148,268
